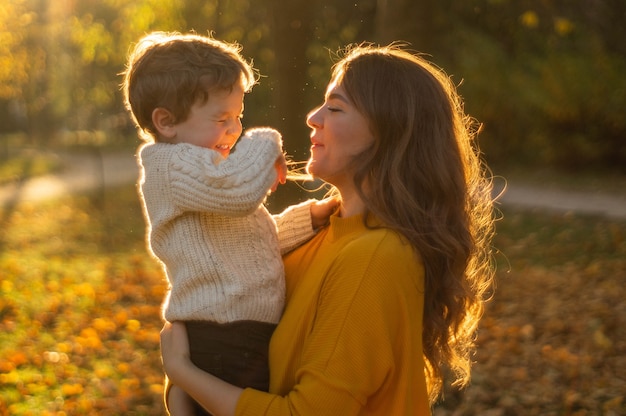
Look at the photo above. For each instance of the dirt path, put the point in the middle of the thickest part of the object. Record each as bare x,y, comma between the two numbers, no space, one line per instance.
594,203
92,170
82,172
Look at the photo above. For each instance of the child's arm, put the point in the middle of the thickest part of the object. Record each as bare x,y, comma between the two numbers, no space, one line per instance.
300,222
201,180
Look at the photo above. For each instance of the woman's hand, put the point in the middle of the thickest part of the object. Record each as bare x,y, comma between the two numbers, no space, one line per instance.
322,210
174,349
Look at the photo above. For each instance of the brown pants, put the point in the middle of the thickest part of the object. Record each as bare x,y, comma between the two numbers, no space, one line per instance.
236,352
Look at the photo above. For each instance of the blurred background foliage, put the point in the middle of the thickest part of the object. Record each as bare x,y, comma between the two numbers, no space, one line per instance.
546,78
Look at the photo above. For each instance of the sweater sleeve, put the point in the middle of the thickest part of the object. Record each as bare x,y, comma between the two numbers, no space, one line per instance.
294,226
366,309
201,180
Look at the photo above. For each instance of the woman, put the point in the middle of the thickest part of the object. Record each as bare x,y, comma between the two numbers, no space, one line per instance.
389,294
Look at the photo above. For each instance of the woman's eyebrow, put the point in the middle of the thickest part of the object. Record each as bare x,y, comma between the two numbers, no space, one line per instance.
337,96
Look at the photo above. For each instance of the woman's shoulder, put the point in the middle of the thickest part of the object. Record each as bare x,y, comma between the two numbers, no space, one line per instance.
380,241
377,264
380,251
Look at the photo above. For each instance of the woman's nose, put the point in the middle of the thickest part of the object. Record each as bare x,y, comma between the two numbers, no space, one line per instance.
313,119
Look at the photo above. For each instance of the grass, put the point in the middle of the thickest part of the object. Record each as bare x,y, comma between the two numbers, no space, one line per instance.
553,338
80,314
79,309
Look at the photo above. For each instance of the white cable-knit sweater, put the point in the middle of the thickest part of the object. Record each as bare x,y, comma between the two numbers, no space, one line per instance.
220,247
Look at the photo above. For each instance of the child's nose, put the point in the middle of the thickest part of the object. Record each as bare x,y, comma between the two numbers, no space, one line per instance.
235,127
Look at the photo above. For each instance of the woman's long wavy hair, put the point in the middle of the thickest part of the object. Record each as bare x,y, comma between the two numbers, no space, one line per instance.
424,177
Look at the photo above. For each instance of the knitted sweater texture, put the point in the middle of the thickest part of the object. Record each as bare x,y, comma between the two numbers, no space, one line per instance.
220,247
350,340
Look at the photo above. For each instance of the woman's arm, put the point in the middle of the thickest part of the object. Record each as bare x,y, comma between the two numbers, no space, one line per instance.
215,395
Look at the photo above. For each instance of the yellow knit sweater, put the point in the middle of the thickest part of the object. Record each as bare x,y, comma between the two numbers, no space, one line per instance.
350,340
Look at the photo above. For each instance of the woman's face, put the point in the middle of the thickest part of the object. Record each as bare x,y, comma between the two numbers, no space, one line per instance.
339,134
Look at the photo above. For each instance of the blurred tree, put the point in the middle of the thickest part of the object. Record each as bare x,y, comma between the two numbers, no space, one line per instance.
24,78
15,65
61,61
291,29
408,20
122,22
606,17
543,79
306,36
546,78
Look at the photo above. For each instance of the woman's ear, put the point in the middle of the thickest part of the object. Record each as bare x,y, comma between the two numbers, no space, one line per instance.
164,122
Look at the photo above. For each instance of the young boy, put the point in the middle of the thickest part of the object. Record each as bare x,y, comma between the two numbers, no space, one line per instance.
220,248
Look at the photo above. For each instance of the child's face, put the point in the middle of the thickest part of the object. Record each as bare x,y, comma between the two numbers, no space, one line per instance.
216,124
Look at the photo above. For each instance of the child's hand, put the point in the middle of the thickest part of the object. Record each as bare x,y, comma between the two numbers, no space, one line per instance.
281,171
322,210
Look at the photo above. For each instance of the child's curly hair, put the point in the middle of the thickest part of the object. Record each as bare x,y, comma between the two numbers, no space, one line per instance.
174,71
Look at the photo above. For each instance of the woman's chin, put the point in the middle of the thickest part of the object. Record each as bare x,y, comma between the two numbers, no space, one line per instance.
311,168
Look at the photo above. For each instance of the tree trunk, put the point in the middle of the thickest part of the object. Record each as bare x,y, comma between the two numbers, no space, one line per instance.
292,33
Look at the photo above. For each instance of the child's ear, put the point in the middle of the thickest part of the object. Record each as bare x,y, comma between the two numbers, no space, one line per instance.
164,122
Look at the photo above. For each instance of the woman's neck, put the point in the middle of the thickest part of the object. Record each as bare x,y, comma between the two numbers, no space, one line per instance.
351,203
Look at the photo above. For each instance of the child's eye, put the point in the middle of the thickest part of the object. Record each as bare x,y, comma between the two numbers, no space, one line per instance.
333,109
225,120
